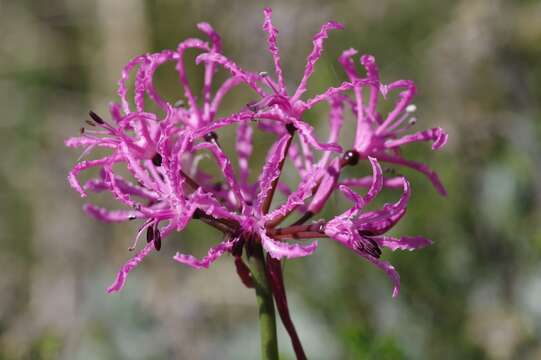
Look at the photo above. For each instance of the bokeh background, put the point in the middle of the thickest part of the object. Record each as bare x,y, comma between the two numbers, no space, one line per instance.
474,294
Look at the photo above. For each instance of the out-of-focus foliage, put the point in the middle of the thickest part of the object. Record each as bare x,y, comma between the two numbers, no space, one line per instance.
475,294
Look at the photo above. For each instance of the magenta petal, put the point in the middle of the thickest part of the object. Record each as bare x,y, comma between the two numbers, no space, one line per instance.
213,254
314,56
244,150
272,33
437,135
248,78
353,196
226,167
271,169
377,180
215,38
389,209
389,270
404,100
306,132
297,197
403,243
348,64
122,87
423,168
128,267
382,225
86,164
366,181
278,249
326,188
109,216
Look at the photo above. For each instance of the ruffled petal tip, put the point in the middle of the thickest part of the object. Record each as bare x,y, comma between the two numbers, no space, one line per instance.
440,139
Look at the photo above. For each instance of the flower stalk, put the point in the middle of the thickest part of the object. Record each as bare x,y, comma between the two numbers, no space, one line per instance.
265,304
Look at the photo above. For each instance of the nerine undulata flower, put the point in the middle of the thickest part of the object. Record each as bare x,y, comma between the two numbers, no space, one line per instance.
166,188
379,135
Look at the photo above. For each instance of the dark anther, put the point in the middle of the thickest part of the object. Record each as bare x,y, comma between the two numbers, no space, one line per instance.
95,117
351,157
82,130
321,228
368,246
150,234
90,122
253,106
211,136
291,128
132,217
157,160
237,247
157,239
373,248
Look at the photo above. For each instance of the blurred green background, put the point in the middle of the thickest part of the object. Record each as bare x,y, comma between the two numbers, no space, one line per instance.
474,294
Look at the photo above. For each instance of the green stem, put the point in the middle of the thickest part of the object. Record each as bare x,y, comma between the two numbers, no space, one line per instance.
265,303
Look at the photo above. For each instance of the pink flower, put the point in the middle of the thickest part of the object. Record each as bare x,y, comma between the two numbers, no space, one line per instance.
382,136
166,188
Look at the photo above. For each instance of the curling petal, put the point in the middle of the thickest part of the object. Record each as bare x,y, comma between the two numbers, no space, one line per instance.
403,243
437,135
314,56
272,43
122,275
110,216
213,254
278,249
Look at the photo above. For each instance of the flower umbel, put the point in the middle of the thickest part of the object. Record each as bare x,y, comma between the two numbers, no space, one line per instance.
166,187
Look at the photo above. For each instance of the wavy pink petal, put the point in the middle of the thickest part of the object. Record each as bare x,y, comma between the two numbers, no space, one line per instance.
213,254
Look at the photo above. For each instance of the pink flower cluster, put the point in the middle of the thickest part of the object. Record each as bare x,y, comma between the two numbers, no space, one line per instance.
152,166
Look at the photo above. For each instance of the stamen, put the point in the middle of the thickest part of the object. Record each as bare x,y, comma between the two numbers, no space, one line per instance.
96,117
252,106
178,104
82,130
211,136
368,246
157,160
268,81
373,249
90,122
291,128
237,247
150,234
307,215
350,157
410,109
157,239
